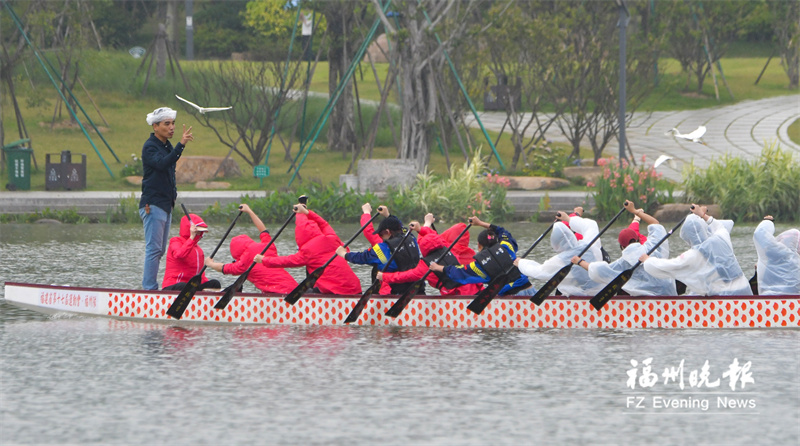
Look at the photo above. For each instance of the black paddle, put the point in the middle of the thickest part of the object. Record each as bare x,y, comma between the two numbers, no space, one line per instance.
490,292
404,300
184,298
554,281
362,302
754,283
614,286
231,290
311,279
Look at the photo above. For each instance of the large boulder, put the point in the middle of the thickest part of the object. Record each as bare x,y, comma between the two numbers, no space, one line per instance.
191,169
378,174
587,173
536,183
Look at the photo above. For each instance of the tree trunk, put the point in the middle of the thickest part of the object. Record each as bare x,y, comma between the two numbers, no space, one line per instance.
419,98
341,124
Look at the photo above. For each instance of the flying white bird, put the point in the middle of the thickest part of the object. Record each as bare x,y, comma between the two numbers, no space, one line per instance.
660,160
203,110
693,137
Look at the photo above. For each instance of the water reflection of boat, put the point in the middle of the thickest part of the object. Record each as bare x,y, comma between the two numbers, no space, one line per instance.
426,311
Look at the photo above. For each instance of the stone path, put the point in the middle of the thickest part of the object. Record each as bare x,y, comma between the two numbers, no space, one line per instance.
739,130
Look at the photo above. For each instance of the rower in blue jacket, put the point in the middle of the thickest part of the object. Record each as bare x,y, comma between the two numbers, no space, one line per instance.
497,250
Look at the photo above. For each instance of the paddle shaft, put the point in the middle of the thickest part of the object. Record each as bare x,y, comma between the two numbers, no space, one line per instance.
554,281
309,281
231,289
402,303
362,302
271,242
613,287
490,292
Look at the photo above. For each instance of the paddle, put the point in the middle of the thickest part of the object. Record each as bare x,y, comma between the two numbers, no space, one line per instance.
554,281
487,294
401,303
362,302
754,283
614,286
231,290
184,298
311,279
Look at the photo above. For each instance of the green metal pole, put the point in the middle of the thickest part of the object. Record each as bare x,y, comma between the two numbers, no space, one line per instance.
18,22
466,96
337,94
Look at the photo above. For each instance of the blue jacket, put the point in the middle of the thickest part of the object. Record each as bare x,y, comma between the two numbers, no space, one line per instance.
473,273
158,181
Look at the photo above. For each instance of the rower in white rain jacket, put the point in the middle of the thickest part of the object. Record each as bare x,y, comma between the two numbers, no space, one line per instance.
778,259
641,282
710,267
566,245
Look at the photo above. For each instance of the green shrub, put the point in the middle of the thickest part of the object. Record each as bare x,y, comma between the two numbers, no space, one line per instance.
547,162
134,167
642,184
467,192
748,190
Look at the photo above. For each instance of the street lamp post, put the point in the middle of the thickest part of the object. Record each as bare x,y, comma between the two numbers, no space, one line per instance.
624,17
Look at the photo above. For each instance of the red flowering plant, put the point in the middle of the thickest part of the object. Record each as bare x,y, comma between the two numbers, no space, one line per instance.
622,182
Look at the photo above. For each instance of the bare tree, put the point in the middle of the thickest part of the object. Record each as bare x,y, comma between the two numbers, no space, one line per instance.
248,89
700,33
518,41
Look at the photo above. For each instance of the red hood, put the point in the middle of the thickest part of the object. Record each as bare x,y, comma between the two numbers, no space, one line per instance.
430,241
185,226
305,230
239,244
461,249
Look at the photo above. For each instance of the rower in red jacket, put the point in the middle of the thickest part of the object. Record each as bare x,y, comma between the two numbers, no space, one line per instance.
432,245
244,250
316,243
461,249
185,258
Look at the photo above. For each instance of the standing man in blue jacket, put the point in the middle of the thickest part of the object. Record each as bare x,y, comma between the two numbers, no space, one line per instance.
158,188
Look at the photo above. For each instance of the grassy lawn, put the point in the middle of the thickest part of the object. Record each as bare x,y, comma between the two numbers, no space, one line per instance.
118,95
794,131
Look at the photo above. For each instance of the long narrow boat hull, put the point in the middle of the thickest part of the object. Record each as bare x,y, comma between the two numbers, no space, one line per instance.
424,311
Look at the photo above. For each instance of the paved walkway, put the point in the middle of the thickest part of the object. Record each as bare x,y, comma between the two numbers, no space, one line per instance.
739,130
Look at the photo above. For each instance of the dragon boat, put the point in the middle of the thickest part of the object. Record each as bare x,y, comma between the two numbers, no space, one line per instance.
782,311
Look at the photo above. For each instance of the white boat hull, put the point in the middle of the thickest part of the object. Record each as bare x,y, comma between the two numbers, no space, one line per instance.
425,311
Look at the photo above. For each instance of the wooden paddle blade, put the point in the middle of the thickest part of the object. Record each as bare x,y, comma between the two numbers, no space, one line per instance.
611,290
356,312
551,285
229,292
181,303
304,286
486,295
404,300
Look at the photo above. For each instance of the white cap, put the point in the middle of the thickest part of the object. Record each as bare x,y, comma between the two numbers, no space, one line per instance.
161,114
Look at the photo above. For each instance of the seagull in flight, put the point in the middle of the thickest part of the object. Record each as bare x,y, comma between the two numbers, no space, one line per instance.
203,110
693,137
660,160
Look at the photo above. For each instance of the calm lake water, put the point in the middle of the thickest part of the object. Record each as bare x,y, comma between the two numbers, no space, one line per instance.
90,380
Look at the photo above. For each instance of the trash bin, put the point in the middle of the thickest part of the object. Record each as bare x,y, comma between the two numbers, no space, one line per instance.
66,174
18,160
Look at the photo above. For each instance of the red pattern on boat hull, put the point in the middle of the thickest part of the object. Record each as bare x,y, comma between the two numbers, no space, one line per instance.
426,311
